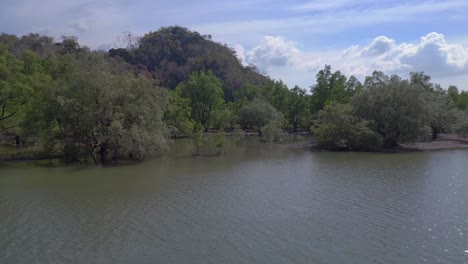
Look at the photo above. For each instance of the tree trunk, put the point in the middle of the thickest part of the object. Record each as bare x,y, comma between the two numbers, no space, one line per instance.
435,134
390,142
103,152
17,141
295,125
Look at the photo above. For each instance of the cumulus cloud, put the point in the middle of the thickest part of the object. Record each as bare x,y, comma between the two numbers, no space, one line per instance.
281,58
436,56
273,51
240,52
432,55
379,46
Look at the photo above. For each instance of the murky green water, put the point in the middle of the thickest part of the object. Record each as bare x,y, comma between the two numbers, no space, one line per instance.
258,203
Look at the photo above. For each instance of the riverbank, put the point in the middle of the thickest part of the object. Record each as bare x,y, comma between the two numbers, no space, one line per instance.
445,141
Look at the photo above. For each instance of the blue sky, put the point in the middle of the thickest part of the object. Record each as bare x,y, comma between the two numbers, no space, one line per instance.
288,40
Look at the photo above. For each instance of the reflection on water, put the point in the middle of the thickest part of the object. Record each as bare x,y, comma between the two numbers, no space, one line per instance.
258,203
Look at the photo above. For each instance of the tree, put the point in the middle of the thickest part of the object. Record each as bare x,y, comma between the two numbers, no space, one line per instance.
257,114
394,105
171,54
439,105
330,88
220,141
441,112
461,125
419,78
95,114
337,128
178,116
19,81
248,92
321,90
199,140
223,117
353,86
460,99
377,78
298,110
205,94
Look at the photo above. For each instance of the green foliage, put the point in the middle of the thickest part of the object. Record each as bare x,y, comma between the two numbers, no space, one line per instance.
273,132
298,113
395,106
461,126
460,99
277,94
441,112
223,117
337,128
238,133
220,141
61,96
171,54
205,94
248,92
178,116
20,80
103,116
331,88
199,140
257,114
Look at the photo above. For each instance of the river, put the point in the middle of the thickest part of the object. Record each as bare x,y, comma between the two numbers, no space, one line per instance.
257,203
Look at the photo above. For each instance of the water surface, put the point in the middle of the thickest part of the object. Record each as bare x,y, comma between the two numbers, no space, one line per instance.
257,203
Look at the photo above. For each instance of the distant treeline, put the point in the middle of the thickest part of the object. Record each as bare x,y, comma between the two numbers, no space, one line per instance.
126,103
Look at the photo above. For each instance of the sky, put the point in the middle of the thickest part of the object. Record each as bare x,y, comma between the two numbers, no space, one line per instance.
287,40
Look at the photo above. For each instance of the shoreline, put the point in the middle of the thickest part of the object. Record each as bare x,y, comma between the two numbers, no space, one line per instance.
445,142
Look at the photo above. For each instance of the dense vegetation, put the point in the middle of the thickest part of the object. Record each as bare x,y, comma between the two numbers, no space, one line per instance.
126,103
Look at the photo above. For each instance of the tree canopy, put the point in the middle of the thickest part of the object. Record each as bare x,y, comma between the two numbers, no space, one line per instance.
127,102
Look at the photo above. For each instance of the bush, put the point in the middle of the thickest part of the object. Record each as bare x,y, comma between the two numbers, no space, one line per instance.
272,132
337,128
257,114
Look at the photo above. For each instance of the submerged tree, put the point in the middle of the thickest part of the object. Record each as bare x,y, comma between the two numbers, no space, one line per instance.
220,141
95,114
199,140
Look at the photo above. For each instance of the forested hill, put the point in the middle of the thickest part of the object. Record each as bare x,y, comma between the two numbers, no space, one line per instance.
168,55
171,54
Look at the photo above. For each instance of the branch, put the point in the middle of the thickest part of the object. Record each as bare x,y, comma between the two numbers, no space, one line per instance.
8,116
6,128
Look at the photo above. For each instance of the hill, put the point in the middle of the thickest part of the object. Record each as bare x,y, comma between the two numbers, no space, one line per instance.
171,54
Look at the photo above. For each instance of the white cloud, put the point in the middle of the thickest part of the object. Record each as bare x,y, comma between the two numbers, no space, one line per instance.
273,51
333,20
432,55
436,56
322,5
379,46
240,52
281,58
